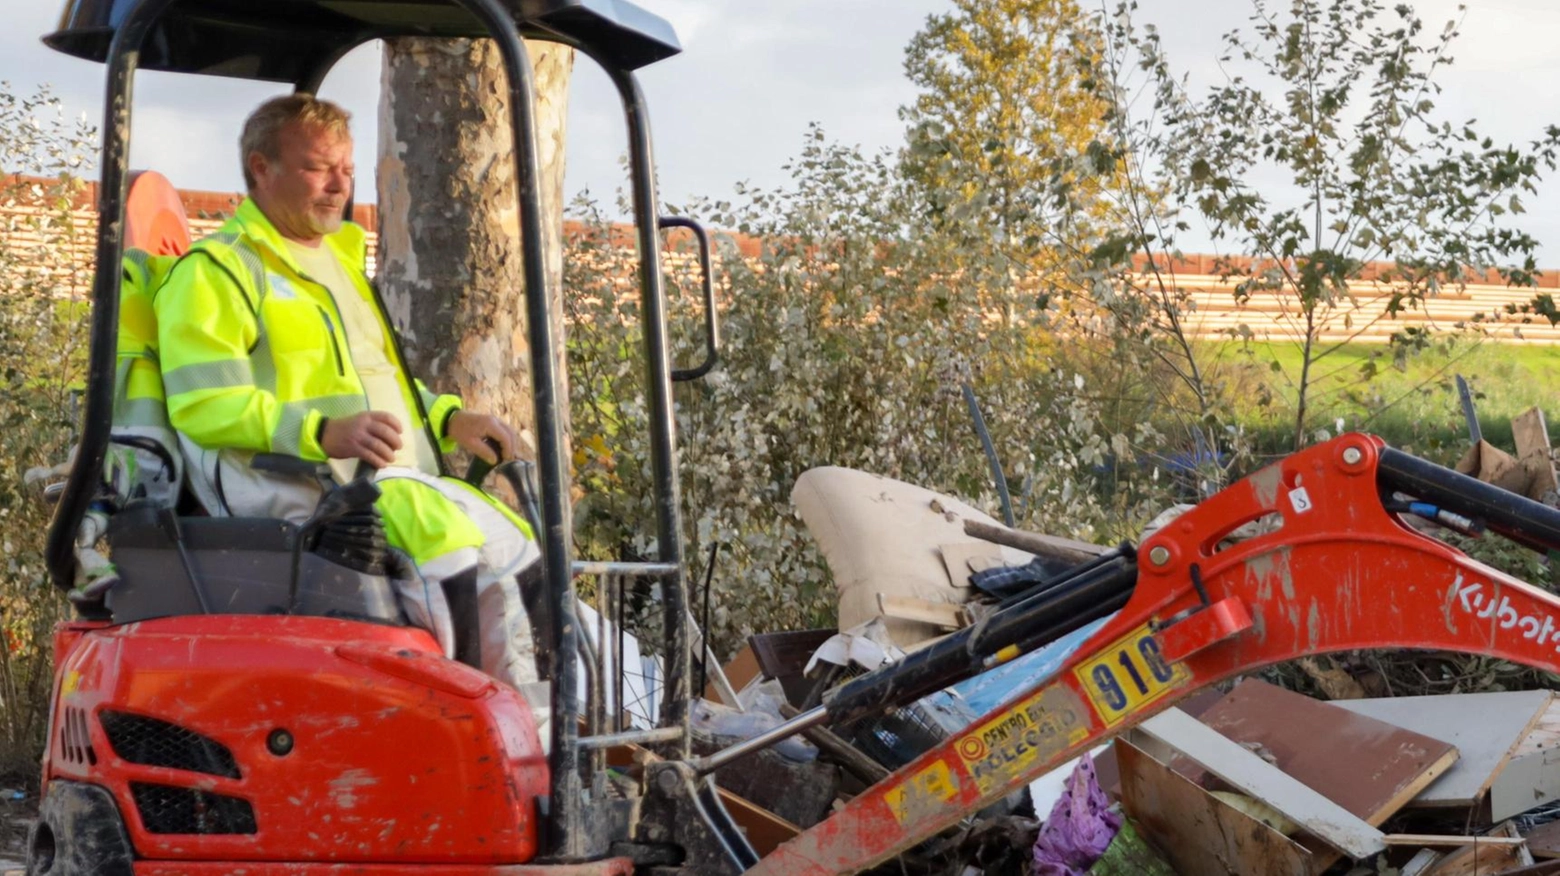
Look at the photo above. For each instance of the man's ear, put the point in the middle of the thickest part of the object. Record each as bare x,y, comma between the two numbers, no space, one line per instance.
257,164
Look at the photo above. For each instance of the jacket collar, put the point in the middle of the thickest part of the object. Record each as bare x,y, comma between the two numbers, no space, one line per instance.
349,243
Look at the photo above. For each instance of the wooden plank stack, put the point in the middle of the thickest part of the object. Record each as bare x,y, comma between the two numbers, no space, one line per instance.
1267,781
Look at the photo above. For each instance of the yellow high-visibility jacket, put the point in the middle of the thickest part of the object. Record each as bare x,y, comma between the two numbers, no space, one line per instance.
253,357
144,460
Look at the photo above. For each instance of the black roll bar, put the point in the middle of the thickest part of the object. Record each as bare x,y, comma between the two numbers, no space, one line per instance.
103,333
663,424
568,837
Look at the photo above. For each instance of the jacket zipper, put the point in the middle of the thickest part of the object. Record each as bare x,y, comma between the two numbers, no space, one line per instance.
335,345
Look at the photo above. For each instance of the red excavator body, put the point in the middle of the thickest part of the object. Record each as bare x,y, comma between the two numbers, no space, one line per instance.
228,739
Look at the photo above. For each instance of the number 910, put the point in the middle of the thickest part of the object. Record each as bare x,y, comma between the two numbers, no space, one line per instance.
1116,696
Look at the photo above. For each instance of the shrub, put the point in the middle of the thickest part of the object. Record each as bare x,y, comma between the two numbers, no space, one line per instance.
41,359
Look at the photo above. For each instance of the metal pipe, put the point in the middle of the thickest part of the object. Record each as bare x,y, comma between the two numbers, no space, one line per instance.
595,567
620,718
600,680
805,721
124,54
1517,517
663,426
630,737
567,832
990,449
707,289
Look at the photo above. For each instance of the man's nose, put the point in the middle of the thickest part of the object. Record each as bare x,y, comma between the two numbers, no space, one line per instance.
340,181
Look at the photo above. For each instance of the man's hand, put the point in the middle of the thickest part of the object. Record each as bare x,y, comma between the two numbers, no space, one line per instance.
372,436
472,432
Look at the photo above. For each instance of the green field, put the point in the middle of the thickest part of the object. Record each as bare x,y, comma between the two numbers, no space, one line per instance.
1411,401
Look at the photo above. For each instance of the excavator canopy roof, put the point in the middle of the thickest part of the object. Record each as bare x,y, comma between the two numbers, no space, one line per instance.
292,40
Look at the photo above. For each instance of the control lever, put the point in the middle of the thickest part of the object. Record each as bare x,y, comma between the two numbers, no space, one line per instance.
480,468
521,475
357,495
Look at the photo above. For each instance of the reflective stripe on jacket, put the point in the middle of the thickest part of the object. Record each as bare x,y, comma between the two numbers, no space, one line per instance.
138,387
144,461
254,355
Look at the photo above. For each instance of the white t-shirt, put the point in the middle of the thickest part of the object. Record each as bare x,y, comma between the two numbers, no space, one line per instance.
367,346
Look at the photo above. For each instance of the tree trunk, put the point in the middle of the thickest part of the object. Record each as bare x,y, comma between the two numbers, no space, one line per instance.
449,256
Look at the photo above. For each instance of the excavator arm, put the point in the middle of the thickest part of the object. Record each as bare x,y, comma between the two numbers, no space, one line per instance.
1337,567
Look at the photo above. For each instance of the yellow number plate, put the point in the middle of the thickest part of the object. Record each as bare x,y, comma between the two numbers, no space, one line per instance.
1127,675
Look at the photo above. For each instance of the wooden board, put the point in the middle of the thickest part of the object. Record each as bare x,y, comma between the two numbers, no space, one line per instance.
1260,780
1439,840
1065,549
765,830
1369,767
1198,832
964,558
1105,762
1542,868
1544,841
742,669
1486,728
1544,735
1531,435
1482,858
945,615
1532,775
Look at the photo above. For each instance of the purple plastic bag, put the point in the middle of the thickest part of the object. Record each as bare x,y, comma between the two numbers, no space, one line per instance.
1079,828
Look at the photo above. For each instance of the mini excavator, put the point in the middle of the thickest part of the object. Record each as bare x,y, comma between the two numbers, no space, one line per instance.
239,702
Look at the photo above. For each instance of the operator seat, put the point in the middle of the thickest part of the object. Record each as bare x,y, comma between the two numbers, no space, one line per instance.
168,556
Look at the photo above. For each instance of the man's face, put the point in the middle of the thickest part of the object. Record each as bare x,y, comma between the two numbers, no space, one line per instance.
304,190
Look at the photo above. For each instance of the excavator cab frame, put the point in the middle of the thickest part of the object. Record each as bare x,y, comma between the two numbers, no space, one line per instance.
297,42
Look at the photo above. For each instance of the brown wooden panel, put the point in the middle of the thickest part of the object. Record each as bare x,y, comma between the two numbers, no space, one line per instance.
1369,767
1197,831
1544,840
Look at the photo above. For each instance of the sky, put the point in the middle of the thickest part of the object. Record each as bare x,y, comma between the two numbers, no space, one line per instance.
735,105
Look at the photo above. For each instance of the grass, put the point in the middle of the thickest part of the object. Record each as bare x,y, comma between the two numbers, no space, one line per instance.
1409,400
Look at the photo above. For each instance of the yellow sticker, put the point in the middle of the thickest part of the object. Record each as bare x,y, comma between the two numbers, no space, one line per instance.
70,682
1025,735
925,791
1128,674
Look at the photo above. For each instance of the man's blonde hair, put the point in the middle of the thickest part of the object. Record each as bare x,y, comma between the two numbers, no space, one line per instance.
263,128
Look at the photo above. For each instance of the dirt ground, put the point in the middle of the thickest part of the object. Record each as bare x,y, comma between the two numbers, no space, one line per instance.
15,817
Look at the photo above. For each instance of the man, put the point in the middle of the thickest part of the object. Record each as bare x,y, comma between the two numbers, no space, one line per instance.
271,340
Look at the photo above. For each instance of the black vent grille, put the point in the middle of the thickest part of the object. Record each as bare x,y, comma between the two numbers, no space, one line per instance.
166,809
150,742
75,738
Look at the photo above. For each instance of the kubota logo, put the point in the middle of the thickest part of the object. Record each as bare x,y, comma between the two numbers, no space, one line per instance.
1473,598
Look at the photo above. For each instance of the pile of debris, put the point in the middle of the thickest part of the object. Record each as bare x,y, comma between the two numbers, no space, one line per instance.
1253,780
1267,781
